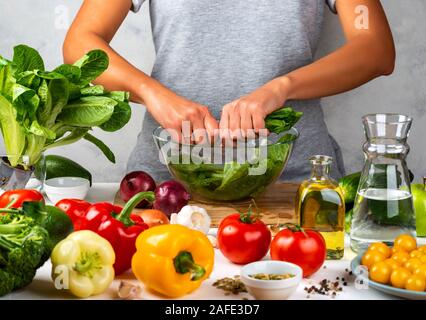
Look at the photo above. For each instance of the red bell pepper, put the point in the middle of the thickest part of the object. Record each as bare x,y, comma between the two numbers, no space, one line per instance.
15,198
118,225
75,209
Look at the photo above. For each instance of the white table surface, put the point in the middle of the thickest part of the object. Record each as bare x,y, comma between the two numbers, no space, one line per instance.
42,286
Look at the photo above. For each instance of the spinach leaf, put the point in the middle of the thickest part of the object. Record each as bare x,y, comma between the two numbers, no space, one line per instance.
119,118
88,111
122,96
282,120
13,133
7,81
74,135
26,59
97,90
92,65
70,72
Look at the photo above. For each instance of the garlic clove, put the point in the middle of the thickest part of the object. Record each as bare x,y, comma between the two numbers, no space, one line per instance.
128,290
212,240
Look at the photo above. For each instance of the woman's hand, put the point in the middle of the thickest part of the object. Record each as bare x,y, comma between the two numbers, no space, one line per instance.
248,113
186,120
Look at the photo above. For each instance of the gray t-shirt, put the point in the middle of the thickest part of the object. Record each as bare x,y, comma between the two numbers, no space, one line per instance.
215,51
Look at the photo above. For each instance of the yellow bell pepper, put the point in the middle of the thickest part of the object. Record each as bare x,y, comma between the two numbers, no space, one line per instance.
172,259
83,264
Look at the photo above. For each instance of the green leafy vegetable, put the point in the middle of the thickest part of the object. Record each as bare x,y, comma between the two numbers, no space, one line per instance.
234,180
27,237
44,109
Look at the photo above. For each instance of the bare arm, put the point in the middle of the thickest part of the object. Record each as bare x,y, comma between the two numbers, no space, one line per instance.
93,28
367,54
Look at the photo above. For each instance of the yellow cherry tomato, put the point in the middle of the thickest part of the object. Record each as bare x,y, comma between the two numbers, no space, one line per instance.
405,242
421,271
416,254
415,283
401,257
371,257
422,249
412,264
423,259
380,272
395,250
399,277
381,247
392,263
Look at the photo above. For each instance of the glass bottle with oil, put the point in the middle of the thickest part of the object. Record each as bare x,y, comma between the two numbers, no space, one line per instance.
320,206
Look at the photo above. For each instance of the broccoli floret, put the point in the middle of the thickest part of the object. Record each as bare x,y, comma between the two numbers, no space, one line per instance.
23,246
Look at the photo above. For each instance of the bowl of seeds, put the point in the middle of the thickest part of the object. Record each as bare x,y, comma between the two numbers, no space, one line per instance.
271,280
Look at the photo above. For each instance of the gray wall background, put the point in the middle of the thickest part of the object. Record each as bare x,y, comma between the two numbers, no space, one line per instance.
43,23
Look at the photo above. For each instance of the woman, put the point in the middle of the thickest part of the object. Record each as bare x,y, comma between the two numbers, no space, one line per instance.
229,63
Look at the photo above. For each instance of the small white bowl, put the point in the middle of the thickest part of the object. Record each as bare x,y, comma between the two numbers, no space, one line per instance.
66,188
271,289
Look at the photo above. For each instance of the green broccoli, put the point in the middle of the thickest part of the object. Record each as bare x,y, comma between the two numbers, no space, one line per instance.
24,247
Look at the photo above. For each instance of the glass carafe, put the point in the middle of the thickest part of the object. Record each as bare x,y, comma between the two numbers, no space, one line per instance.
383,206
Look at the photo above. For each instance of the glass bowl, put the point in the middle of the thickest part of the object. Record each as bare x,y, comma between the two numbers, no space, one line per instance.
218,173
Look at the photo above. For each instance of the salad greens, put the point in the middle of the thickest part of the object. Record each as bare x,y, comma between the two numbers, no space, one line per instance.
233,180
42,109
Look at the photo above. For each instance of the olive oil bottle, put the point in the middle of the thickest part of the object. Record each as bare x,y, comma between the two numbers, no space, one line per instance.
320,206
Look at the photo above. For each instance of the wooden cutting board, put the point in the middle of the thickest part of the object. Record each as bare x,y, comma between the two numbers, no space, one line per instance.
276,205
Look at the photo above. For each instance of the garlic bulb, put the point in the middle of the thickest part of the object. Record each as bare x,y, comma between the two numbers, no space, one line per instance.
192,217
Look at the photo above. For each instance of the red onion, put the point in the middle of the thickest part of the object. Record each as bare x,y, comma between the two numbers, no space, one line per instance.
135,182
170,197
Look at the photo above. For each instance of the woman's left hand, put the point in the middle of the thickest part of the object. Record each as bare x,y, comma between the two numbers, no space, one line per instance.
242,116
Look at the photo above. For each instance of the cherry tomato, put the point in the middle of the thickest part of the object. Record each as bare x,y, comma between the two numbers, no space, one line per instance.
399,277
415,283
421,271
381,247
395,250
416,254
423,259
412,264
243,238
380,272
15,198
371,257
405,242
392,263
401,257
306,248
422,249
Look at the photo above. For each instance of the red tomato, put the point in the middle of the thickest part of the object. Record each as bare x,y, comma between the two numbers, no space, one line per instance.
75,209
306,248
243,239
18,197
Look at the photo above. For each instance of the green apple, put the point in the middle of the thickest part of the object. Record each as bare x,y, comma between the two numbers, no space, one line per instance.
419,200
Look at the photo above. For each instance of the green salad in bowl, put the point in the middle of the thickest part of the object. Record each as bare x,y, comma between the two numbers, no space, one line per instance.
232,173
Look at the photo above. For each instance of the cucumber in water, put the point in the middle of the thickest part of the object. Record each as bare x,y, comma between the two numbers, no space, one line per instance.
58,166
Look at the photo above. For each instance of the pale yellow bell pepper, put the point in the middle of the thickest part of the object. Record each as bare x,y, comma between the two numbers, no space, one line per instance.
82,263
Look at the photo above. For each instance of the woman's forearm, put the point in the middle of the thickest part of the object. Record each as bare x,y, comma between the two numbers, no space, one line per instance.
120,75
357,62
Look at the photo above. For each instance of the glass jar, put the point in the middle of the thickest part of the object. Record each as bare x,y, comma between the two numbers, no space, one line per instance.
21,176
320,206
383,206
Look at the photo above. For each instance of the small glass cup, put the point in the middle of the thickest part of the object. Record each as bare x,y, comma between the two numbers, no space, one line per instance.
21,175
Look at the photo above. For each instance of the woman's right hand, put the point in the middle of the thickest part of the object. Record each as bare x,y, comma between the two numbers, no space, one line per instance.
185,120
